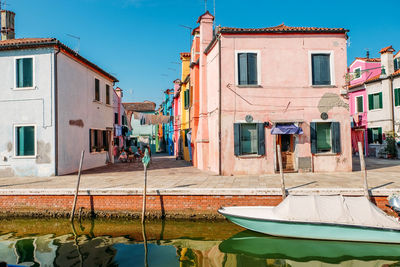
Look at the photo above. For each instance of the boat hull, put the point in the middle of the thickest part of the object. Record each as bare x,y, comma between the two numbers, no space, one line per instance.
316,230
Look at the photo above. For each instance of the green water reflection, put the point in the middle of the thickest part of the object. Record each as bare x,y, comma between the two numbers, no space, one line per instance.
173,243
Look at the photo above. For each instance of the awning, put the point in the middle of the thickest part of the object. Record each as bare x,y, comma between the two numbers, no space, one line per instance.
286,129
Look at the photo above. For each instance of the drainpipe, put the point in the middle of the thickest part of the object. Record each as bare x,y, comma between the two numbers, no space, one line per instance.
56,110
219,107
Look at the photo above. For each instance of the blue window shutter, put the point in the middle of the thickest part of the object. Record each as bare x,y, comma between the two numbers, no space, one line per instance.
242,68
236,137
252,68
336,145
261,138
321,74
313,137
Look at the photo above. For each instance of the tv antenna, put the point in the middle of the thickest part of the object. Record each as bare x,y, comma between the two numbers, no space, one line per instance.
205,5
190,34
3,4
78,39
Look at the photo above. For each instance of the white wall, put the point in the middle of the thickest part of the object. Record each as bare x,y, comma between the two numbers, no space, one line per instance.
33,106
380,117
76,102
396,84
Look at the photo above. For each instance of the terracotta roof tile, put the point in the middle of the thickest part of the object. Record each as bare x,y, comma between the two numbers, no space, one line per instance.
140,106
398,52
386,49
369,59
283,29
373,78
25,43
355,85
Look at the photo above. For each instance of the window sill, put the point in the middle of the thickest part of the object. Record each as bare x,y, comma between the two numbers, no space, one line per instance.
25,157
326,154
323,86
377,109
251,156
109,105
249,86
97,101
24,88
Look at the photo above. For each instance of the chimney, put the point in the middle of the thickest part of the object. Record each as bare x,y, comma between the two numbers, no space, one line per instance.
206,30
119,93
387,60
7,25
367,53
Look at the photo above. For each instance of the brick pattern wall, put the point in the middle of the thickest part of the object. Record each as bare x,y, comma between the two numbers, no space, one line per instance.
189,205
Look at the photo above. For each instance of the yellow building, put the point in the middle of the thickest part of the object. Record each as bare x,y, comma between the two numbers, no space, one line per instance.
185,105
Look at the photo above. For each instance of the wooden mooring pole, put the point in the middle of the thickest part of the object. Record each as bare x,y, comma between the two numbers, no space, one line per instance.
363,170
77,186
144,194
278,147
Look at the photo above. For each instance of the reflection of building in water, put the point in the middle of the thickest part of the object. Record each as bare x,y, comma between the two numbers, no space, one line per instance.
63,250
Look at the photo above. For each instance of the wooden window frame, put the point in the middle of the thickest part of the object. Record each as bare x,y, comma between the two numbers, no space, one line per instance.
15,126
33,87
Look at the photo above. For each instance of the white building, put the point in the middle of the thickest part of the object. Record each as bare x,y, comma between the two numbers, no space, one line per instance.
53,104
383,96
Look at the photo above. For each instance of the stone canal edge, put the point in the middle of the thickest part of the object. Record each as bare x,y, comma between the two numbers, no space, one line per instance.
169,203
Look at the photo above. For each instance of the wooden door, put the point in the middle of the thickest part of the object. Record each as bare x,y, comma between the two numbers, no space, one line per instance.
286,141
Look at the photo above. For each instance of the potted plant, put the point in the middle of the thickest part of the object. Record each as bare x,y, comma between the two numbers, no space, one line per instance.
93,149
391,146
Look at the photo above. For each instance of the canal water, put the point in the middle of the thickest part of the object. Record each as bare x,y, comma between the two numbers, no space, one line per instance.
101,242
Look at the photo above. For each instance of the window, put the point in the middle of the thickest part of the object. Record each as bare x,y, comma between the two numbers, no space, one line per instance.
325,137
249,138
396,62
375,135
107,94
96,90
25,141
247,69
359,104
357,73
187,99
397,97
24,72
321,71
123,119
375,101
115,118
99,140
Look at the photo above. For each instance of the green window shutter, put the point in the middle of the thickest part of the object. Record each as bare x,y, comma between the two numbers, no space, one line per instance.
380,135
236,138
397,97
324,139
370,102
360,106
369,135
25,141
336,145
28,72
380,100
313,137
261,138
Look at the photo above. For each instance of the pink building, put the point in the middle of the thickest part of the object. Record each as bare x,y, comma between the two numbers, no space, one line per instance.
178,152
260,88
360,70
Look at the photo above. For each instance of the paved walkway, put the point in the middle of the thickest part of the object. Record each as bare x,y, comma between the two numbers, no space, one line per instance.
169,176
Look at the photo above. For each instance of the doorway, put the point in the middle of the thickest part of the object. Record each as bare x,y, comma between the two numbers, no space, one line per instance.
286,142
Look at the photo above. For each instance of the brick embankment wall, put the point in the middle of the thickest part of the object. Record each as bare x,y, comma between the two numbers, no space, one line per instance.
174,206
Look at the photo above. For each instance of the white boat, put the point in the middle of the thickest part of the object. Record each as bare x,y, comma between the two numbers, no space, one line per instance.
319,217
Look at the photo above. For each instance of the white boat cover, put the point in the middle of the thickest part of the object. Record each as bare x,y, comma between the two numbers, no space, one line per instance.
334,209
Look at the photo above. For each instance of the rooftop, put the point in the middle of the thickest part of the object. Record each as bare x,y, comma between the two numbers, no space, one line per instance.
387,49
28,43
282,28
367,59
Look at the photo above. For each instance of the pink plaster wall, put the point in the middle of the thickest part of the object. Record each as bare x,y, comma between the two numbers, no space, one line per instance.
285,93
372,67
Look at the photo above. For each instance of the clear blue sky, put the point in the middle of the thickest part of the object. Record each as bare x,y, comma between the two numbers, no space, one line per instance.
138,40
